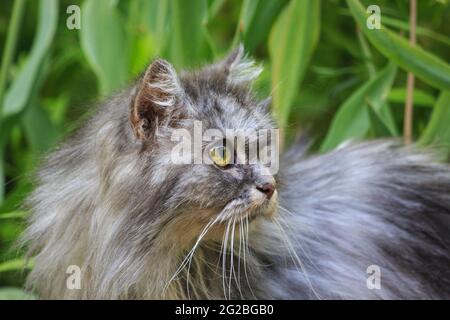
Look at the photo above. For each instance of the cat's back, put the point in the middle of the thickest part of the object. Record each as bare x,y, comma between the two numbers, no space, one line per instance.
364,206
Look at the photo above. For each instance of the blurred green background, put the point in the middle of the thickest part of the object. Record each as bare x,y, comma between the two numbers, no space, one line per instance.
327,72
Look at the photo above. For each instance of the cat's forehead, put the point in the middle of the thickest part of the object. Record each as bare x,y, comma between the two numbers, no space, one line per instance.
230,113
220,106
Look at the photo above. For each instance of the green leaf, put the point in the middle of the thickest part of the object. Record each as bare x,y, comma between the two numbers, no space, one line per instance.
13,215
9,293
292,41
189,46
341,40
396,23
5,128
421,98
352,119
40,131
256,19
404,26
380,128
18,193
214,7
412,58
142,49
16,264
22,87
367,55
2,172
104,44
151,21
437,131
248,10
10,46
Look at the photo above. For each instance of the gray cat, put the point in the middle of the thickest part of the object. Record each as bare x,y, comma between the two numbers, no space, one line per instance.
364,221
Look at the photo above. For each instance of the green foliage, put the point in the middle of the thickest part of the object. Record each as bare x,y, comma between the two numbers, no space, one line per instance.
324,68
15,264
292,42
104,43
14,294
352,120
437,131
189,45
23,85
255,21
397,49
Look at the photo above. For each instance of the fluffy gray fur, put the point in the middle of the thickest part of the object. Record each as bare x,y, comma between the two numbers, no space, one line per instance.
110,201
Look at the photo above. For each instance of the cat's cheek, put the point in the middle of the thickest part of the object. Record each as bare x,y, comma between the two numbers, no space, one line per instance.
185,228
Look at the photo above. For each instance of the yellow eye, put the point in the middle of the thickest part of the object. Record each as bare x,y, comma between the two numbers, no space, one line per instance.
220,156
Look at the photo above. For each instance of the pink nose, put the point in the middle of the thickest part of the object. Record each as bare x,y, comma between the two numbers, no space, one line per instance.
267,188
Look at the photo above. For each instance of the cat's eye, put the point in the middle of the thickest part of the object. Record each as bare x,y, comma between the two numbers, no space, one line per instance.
221,156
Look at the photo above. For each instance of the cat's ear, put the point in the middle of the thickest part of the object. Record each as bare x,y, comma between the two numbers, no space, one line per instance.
156,95
239,68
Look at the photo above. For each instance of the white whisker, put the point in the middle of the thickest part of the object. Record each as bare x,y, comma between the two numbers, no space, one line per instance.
295,257
246,249
224,260
191,252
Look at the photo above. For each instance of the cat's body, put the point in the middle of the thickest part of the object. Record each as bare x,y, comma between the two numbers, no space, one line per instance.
111,202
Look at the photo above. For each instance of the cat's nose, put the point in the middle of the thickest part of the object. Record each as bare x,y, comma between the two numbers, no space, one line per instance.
267,188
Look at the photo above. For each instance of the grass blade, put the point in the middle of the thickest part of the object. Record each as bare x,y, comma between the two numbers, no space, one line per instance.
256,19
379,127
10,46
421,98
20,91
16,264
104,43
189,46
292,41
437,131
13,215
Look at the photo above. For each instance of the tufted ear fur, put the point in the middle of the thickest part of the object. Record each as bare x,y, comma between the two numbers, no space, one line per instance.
156,95
239,68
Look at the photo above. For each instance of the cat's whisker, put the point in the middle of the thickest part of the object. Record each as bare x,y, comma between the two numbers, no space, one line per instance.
191,252
232,258
224,260
295,257
311,230
297,240
248,251
239,258
220,252
201,277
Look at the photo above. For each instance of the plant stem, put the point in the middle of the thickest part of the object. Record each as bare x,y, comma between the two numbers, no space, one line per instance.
408,119
10,46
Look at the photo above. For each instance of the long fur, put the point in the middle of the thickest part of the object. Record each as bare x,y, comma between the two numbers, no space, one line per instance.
142,228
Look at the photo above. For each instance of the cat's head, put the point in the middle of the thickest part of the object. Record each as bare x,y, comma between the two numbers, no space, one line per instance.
209,144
